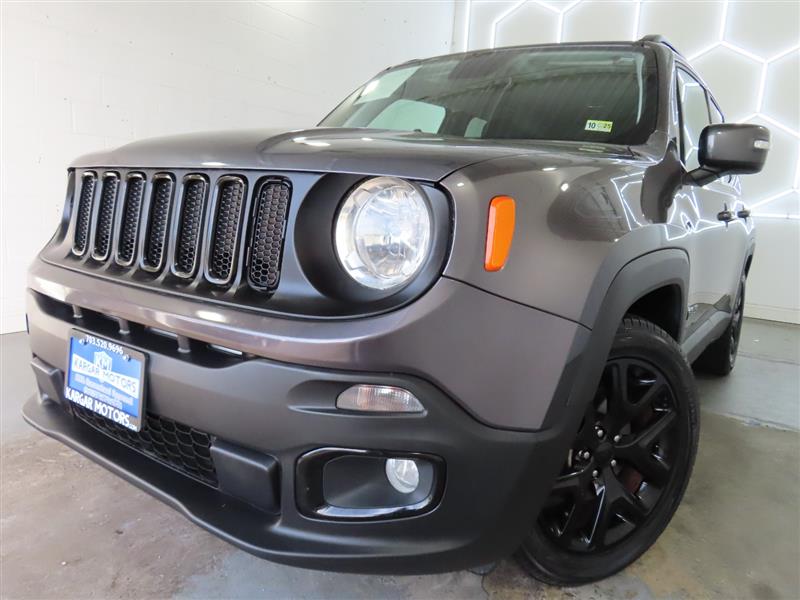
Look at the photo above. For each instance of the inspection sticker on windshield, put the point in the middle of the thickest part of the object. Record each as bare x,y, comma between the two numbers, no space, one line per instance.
601,126
106,378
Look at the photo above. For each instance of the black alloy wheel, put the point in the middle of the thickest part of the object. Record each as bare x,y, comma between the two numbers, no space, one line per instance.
620,462
628,466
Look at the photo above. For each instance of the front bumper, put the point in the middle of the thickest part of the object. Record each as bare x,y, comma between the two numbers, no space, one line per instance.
493,479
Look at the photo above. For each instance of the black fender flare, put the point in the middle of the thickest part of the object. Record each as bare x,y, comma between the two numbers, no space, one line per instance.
639,277
581,376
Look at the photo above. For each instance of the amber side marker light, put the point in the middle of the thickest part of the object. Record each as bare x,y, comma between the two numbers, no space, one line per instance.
499,232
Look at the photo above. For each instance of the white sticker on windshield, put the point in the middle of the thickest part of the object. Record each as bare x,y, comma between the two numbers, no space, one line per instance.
602,126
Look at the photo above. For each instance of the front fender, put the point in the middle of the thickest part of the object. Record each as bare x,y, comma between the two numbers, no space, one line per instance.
636,279
578,222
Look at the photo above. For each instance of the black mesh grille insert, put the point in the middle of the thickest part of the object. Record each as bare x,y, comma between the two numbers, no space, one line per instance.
226,229
266,237
179,446
129,225
190,222
88,181
158,221
105,216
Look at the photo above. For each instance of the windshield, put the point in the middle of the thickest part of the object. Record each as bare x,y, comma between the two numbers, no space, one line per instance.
555,93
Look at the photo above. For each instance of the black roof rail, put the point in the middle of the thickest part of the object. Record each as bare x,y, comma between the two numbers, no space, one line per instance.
660,39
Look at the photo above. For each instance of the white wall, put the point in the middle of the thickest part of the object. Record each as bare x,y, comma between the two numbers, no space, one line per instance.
749,54
78,77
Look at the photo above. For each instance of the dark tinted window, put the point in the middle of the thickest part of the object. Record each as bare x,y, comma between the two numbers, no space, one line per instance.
581,94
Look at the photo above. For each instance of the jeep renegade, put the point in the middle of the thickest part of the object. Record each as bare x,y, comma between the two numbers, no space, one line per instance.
453,322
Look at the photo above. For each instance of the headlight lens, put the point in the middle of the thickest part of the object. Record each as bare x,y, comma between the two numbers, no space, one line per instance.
383,232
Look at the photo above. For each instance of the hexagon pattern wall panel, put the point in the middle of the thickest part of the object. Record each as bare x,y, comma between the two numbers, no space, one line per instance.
747,51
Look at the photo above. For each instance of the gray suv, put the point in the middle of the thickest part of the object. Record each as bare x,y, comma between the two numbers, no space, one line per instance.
452,322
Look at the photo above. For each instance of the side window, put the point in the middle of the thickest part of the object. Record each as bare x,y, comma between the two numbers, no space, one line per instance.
694,116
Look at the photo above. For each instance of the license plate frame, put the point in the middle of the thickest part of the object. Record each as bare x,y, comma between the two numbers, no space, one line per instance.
107,378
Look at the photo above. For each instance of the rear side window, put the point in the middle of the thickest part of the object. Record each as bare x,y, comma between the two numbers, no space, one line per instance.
694,117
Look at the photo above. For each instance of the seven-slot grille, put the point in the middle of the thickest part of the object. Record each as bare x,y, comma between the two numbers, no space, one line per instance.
187,226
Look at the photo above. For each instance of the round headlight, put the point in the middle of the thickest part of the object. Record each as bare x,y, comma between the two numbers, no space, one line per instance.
383,232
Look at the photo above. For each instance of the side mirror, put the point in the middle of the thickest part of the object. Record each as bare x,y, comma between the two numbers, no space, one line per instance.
728,149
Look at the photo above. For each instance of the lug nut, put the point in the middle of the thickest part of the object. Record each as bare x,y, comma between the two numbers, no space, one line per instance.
613,463
595,473
600,433
586,455
617,438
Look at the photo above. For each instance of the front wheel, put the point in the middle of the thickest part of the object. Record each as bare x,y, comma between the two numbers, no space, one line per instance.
628,466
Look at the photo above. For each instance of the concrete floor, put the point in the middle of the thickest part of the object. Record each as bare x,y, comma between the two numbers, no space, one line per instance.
70,529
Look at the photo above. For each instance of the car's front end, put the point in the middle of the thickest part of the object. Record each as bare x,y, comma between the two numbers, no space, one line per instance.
279,393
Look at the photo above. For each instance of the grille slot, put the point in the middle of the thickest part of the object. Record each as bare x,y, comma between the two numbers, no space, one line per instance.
88,182
266,236
129,222
174,444
225,229
157,222
190,221
105,216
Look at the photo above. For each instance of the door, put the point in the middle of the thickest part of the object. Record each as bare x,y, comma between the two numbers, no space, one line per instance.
708,213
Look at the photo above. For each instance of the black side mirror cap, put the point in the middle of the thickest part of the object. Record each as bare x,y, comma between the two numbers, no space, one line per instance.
730,149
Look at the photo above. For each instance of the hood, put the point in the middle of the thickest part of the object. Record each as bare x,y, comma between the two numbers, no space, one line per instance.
411,155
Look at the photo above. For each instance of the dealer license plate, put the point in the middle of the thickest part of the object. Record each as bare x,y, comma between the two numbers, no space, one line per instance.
107,378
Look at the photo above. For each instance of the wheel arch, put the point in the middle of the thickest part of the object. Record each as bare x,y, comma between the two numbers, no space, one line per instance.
640,280
578,383
664,307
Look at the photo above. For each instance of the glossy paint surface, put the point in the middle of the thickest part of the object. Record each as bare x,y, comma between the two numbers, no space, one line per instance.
412,155
584,212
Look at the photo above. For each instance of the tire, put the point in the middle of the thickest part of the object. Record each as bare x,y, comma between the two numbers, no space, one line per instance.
623,479
720,356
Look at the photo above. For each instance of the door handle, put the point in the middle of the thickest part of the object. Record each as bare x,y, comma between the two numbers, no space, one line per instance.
743,214
726,216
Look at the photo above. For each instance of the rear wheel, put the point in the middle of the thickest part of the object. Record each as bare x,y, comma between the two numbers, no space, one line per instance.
628,466
720,356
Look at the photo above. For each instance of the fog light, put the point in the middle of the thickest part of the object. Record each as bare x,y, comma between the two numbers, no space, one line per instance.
403,474
378,398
